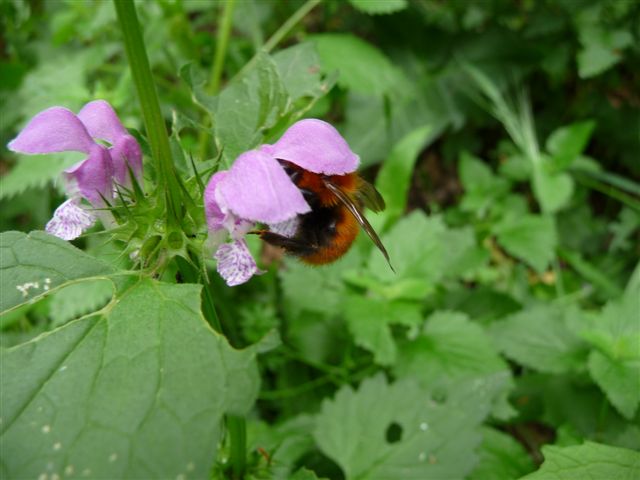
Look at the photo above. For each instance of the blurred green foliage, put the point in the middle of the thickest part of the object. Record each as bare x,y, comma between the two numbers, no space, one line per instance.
504,136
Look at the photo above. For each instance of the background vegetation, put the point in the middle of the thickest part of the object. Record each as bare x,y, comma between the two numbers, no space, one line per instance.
504,136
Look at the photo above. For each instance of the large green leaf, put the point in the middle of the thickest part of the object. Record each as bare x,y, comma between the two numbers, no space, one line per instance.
501,456
591,460
566,143
538,337
396,431
532,238
37,263
35,172
452,349
615,366
137,390
355,60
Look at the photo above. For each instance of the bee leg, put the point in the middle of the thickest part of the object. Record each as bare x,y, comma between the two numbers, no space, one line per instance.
291,245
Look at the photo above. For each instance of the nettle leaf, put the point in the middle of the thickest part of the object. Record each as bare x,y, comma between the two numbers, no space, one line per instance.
590,460
78,299
370,319
136,391
299,68
553,190
37,263
615,366
355,59
35,172
566,143
539,338
532,238
481,186
501,456
396,431
248,106
379,7
452,349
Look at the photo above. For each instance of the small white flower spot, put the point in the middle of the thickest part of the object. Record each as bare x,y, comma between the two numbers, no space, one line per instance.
55,476
422,457
69,469
63,368
424,426
113,457
43,476
57,446
46,428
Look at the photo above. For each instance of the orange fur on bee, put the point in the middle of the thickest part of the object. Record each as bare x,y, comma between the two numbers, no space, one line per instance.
347,229
314,182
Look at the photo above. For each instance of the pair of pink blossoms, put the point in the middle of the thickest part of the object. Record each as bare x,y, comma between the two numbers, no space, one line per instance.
256,189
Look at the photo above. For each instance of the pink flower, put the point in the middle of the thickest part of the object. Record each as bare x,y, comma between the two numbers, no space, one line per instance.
57,129
256,189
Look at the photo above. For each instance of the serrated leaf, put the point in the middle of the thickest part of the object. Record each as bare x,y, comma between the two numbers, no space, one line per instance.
590,460
501,456
436,440
538,338
532,238
616,366
369,321
299,68
379,7
34,172
79,299
37,263
452,349
135,392
355,59
553,190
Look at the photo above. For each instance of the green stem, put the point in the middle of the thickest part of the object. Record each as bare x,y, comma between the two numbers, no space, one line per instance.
237,428
222,41
190,275
150,106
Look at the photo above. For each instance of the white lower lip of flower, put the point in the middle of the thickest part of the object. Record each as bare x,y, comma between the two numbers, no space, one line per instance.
70,220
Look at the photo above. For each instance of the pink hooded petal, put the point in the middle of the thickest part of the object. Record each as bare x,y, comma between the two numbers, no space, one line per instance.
213,212
235,263
70,220
126,151
101,121
93,176
315,146
257,189
53,130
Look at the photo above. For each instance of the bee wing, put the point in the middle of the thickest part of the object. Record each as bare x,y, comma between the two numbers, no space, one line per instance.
369,196
355,210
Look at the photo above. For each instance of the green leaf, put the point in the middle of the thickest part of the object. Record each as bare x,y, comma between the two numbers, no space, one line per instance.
35,264
481,187
35,172
393,431
137,391
369,320
501,456
299,68
394,178
566,143
355,59
379,7
539,338
590,460
531,238
615,366
553,190
248,106
452,349
78,299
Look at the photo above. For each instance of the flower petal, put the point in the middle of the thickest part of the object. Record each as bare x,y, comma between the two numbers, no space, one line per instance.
102,122
235,263
93,176
257,189
69,220
287,228
56,129
315,146
213,212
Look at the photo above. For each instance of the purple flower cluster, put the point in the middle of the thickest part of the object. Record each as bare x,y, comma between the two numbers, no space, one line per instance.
256,189
57,129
